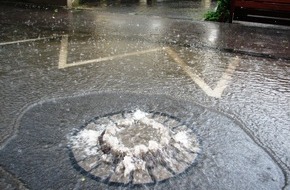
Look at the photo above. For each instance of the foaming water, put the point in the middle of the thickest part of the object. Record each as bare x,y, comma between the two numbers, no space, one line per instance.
134,147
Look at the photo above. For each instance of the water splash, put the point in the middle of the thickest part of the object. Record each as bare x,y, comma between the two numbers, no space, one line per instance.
134,147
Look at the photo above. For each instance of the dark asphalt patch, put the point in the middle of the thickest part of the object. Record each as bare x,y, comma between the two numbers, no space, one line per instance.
39,154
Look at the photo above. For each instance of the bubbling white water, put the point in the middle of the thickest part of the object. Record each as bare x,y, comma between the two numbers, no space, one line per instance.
135,147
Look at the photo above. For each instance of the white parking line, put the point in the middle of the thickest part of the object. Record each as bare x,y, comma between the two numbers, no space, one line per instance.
112,57
27,40
63,53
216,92
62,62
222,83
226,77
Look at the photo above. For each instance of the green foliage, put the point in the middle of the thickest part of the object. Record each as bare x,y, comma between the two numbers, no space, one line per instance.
222,12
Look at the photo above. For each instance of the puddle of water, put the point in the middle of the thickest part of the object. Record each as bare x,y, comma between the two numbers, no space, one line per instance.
174,9
39,154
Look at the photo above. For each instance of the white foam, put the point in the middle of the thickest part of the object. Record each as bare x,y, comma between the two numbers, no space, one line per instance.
139,115
126,122
153,146
160,144
87,137
85,140
140,149
182,138
129,165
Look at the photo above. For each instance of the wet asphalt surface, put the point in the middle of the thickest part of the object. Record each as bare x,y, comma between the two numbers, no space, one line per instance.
61,68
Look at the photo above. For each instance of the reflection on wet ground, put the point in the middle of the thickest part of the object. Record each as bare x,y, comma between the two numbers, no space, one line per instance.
228,83
193,10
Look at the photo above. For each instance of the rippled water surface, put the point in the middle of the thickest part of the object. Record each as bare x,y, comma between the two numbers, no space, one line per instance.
199,80
193,10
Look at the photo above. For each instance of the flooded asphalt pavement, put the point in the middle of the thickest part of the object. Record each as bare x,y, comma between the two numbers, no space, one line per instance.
227,85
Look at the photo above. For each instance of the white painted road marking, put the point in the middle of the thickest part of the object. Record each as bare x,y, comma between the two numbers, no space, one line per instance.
110,58
27,40
63,53
222,83
62,62
216,92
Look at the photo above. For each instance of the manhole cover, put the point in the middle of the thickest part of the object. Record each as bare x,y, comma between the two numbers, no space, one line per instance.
134,147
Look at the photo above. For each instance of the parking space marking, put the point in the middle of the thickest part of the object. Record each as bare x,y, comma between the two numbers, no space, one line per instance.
227,76
221,84
110,58
27,40
63,52
216,92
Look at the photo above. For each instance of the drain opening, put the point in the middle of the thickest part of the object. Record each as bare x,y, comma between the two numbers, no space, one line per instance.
134,147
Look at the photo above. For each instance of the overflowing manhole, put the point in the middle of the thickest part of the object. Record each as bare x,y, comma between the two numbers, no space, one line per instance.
134,147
